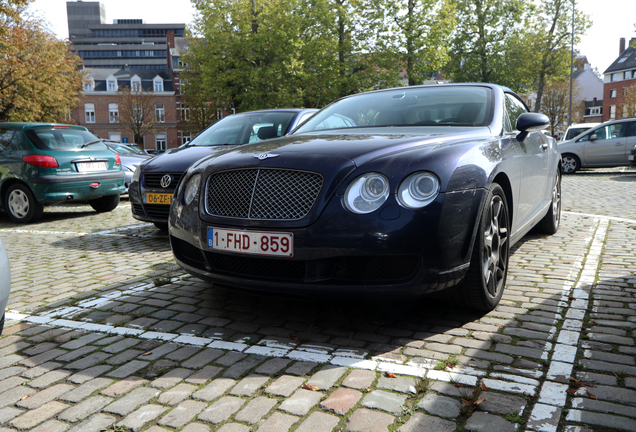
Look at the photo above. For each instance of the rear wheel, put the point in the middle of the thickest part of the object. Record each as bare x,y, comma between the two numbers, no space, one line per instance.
105,203
550,222
484,284
570,164
21,205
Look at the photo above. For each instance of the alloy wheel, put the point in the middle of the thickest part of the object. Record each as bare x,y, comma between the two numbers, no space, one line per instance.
495,247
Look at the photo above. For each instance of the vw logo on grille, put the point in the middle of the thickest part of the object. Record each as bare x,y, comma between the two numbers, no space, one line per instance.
166,180
265,156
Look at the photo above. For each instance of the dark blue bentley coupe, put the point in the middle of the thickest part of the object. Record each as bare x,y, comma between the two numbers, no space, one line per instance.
406,192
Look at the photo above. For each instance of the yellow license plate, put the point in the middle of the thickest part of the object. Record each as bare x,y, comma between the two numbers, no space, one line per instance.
157,198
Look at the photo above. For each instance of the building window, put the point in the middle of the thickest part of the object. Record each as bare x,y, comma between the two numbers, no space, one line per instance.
612,113
613,93
184,137
89,85
160,113
184,112
113,113
135,84
111,83
614,77
160,141
595,111
137,113
89,113
158,84
627,75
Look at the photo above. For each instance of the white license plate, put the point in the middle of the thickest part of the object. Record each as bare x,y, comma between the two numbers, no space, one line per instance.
251,242
91,166
631,157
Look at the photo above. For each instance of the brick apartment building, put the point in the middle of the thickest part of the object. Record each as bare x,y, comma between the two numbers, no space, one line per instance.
127,53
619,76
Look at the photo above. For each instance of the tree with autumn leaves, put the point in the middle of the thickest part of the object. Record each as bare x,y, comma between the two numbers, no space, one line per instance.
40,78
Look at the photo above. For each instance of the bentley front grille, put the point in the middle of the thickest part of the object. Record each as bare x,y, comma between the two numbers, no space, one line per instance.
265,194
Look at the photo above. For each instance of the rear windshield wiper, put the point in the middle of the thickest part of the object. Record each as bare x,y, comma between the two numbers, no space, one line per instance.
89,143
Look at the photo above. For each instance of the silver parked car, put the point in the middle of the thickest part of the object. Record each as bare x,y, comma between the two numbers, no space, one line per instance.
5,283
607,145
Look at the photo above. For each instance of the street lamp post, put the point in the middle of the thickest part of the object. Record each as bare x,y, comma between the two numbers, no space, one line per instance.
571,62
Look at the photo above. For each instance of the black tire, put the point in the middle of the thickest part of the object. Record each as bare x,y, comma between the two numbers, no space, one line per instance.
21,205
105,203
2,323
163,226
551,221
570,163
484,284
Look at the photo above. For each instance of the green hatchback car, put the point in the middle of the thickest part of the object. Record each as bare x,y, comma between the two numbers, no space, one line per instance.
43,164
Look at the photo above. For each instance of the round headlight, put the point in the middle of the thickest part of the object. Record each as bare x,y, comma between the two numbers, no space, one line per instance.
191,189
418,190
366,193
136,174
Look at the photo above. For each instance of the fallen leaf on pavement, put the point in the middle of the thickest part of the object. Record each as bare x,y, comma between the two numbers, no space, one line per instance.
390,375
484,387
311,387
147,353
24,397
466,402
480,400
593,396
571,391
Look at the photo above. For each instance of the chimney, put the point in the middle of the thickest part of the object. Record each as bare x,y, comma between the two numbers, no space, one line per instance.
621,46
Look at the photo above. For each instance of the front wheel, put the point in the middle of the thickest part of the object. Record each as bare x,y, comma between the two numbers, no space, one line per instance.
484,284
21,205
550,222
105,203
570,164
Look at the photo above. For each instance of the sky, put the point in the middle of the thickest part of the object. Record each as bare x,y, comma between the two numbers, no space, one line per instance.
612,20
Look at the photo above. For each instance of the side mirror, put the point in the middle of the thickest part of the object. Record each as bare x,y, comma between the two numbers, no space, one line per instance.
593,137
532,122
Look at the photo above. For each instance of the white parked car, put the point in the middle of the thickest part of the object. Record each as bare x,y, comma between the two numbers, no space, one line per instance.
606,145
577,129
5,283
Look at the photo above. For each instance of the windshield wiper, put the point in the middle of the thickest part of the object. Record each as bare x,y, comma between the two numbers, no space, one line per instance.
89,143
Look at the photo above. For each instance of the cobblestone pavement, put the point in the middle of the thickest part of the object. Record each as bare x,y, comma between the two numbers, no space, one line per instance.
104,332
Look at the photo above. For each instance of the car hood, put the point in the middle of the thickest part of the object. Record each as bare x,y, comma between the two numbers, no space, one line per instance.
357,146
179,159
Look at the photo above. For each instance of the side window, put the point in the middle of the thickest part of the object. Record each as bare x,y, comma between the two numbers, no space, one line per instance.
514,108
630,129
6,135
608,132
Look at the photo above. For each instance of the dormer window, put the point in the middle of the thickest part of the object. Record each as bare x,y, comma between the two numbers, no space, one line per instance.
135,84
157,84
111,84
89,85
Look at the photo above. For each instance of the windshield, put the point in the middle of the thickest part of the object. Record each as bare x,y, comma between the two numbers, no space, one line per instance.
572,132
429,106
123,149
63,139
244,128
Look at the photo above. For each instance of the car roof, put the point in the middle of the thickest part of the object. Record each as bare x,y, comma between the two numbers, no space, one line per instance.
36,125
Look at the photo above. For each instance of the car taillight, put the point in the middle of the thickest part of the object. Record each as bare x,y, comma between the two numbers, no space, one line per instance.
117,159
41,161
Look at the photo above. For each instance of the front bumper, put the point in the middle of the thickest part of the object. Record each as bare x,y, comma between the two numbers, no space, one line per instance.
408,254
154,213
